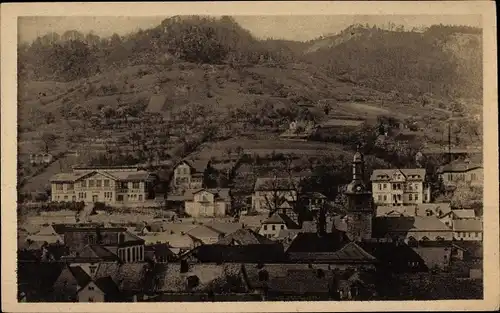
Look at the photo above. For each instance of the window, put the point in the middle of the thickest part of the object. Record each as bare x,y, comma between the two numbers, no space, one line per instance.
393,186
416,186
416,196
91,287
140,197
379,198
274,227
98,183
106,183
385,197
379,186
70,187
91,299
410,197
90,239
65,197
473,176
135,185
83,183
73,198
91,183
265,227
410,187
399,197
283,227
385,186
59,186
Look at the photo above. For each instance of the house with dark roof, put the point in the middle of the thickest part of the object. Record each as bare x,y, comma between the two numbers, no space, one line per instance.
467,229
190,174
127,186
328,248
409,229
272,226
104,240
398,187
462,171
208,203
244,236
250,253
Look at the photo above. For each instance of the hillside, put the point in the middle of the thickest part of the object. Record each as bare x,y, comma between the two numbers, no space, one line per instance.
212,72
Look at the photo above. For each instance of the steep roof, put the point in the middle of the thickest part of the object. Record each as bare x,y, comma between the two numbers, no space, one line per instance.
107,285
409,173
129,277
280,218
95,252
223,227
198,165
252,221
244,236
396,255
468,225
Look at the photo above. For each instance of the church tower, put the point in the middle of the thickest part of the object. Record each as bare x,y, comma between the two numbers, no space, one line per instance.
359,203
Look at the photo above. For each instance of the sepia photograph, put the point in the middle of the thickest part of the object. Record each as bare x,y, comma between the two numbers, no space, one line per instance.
324,157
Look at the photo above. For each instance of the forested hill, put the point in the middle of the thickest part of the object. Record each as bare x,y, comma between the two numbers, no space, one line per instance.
442,61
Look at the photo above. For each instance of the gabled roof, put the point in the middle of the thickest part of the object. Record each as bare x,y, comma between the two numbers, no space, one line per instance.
417,174
464,213
198,165
348,252
244,236
133,175
223,194
252,253
129,277
468,225
460,166
81,277
313,243
202,232
280,218
252,221
225,228
107,286
385,225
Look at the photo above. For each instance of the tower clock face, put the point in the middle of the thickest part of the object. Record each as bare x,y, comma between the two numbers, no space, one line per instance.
358,188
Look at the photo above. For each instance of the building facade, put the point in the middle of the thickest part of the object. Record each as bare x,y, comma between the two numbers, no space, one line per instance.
112,186
208,203
398,187
190,174
359,203
467,171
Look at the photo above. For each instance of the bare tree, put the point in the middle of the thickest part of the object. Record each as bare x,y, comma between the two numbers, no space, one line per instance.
48,141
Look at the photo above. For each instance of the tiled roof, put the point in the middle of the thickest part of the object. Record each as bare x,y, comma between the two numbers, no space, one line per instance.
464,213
439,209
178,228
312,242
223,194
96,252
462,165
118,175
223,227
173,240
203,232
66,177
409,173
129,277
468,225
107,285
198,165
280,218
384,225
350,252
45,238
239,254
277,183
244,236
396,255
253,221
81,277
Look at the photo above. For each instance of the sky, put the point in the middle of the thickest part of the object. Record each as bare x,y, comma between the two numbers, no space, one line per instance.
295,27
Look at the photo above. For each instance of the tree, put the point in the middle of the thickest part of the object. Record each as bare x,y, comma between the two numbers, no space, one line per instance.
48,141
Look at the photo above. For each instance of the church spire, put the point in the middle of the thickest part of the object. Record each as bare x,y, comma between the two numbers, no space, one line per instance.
357,165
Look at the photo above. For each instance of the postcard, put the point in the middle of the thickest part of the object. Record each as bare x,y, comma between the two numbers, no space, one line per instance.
249,156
